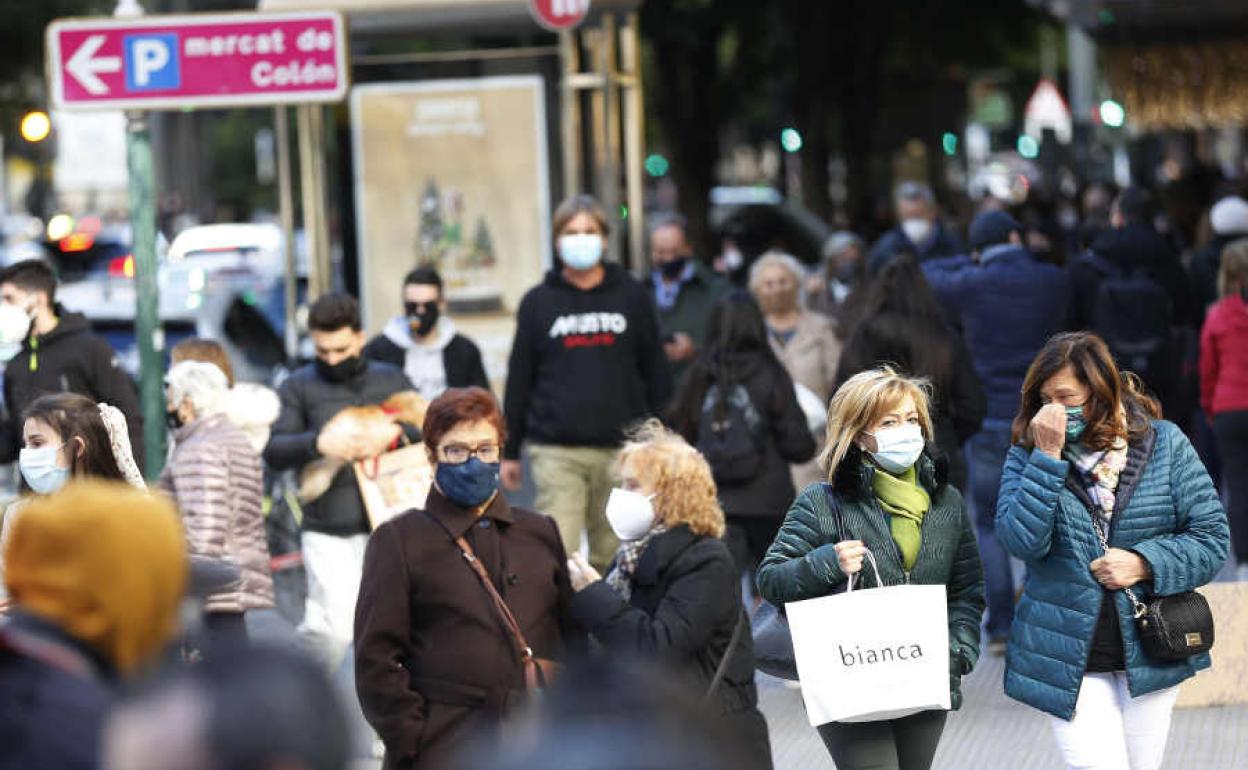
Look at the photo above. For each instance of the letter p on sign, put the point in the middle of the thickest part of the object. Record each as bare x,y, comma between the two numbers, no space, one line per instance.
152,62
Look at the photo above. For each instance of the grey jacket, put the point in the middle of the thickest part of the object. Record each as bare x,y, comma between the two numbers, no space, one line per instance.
216,481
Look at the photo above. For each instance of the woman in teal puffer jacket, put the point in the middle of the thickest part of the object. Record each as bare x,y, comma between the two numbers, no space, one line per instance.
896,501
1088,455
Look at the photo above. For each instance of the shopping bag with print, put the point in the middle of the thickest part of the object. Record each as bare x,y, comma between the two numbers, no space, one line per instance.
867,655
394,482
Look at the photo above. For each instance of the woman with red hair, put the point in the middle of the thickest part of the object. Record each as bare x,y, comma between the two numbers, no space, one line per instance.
435,664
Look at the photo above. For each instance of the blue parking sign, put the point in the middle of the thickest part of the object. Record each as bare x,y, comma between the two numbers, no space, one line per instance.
152,62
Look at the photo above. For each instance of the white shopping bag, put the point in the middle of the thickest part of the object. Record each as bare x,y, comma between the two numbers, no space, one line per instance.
867,655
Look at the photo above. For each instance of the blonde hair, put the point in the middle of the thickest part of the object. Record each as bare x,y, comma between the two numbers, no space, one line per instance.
862,401
684,490
1233,275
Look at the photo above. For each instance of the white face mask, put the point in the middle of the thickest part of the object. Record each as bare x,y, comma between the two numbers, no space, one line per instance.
581,251
897,448
630,514
41,468
916,229
14,326
733,259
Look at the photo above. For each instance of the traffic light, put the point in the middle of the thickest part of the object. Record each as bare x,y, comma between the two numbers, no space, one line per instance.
1113,114
36,126
791,139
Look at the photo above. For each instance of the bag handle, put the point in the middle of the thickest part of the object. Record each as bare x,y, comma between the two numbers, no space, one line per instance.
496,599
1138,608
870,557
722,669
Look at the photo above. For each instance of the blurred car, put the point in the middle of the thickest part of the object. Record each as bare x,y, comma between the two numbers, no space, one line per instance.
757,219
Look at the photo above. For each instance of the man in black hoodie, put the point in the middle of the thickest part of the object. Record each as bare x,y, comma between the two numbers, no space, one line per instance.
586,363
1132,290
60,354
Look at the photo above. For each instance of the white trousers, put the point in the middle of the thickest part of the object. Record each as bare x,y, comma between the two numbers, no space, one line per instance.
334,564
1113,731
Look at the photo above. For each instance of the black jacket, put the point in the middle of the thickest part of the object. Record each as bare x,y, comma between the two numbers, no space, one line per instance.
461,359
54,695
584,364
70,358
684,607
943,243
308,402
785,437
1132,247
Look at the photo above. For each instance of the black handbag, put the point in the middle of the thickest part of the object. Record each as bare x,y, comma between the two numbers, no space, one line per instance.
1172,627
773,642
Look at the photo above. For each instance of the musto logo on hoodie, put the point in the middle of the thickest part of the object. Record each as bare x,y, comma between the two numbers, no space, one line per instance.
588,330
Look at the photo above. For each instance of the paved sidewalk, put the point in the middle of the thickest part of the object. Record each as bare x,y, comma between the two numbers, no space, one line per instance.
992,731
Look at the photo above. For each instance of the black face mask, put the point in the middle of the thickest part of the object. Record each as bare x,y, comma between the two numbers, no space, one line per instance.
341,371
674,269
422,316
172,420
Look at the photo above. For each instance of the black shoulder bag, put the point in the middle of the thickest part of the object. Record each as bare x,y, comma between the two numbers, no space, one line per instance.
773,642
1170,627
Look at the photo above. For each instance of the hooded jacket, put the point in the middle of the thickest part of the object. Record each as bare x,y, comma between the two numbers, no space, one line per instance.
70,358
1008,307
1166,511
584,364
802,562
459,357
1224,357
215,479
1132,247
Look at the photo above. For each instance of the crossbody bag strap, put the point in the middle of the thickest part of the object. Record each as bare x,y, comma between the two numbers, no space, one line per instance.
500,604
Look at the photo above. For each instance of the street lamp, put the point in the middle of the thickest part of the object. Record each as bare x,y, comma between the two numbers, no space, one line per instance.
1113,114
36,126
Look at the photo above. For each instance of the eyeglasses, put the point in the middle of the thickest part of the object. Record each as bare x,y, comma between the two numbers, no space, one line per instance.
457,454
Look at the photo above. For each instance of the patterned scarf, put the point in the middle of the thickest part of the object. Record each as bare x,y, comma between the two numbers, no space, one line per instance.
620,577
1099,472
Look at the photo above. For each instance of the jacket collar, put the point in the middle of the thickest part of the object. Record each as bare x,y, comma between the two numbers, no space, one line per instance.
459,520
855,474
661,551
186,431
32,637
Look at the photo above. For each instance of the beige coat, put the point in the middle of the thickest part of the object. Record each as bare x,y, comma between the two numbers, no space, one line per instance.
811,358
215,478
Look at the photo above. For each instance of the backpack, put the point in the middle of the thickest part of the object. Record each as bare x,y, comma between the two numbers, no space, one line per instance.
1132,313
728,434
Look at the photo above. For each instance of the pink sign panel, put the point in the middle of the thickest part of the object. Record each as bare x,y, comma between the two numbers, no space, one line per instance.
209,60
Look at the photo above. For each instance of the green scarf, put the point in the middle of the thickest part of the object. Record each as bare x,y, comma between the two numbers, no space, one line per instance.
906,501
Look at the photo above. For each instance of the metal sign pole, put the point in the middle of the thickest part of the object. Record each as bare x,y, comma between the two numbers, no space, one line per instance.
286,212
147,330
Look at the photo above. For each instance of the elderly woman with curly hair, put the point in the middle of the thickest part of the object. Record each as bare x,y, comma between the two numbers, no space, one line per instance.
671,594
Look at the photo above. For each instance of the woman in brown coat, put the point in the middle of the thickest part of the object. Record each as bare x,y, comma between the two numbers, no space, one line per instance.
215,479
434,666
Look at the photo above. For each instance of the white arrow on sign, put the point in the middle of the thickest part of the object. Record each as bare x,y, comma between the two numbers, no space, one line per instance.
84,66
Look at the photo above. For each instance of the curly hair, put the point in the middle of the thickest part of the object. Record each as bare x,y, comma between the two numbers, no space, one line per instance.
684,490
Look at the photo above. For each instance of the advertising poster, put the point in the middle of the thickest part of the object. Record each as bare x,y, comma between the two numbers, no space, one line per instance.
453,173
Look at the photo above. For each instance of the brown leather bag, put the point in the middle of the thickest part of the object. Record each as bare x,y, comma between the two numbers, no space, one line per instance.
539,673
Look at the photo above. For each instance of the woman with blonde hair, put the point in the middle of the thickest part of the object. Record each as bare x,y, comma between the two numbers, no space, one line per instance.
671,595
895,501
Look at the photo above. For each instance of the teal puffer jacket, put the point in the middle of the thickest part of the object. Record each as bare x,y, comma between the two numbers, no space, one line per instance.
802,563
1167,511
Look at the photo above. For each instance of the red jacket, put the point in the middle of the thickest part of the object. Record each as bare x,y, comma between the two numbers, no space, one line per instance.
1224,357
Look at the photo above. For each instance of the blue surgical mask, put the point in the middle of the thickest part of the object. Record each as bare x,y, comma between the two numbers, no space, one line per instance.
40,469
468,484
1075,424
897,449
581,251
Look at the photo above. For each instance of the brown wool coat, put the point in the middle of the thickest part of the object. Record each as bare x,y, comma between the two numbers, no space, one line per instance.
215,479
433,665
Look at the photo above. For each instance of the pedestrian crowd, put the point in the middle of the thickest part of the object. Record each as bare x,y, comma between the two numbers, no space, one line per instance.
707,444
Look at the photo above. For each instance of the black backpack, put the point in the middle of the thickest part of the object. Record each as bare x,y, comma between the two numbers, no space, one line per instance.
1132,312
728,434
